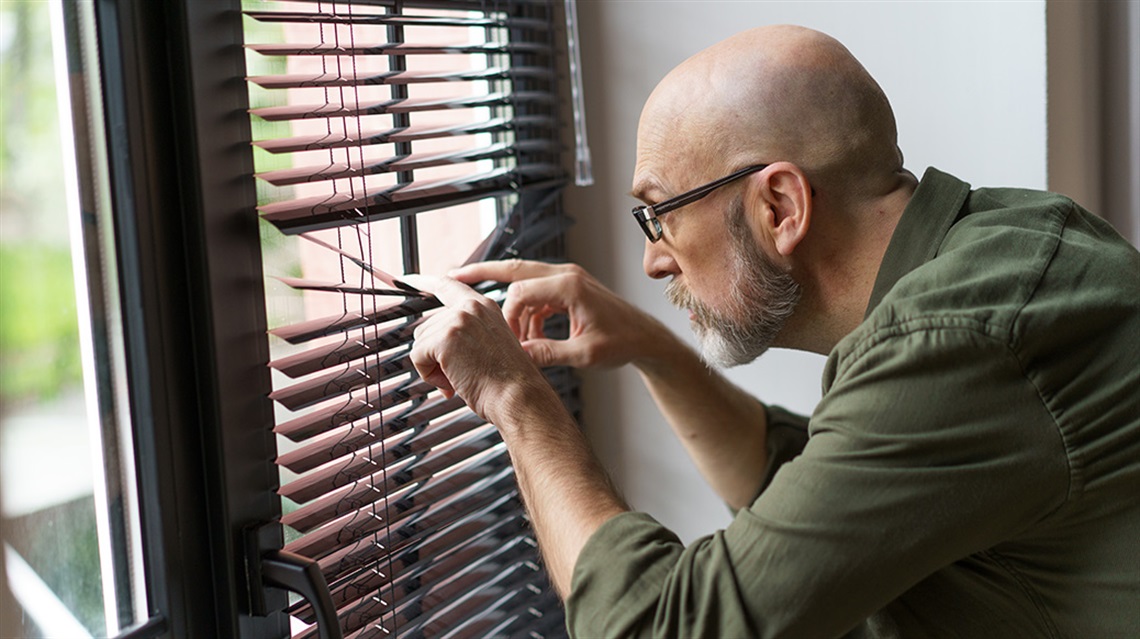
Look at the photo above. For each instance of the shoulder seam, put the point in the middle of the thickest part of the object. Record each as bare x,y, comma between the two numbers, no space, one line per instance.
1066,213
915,324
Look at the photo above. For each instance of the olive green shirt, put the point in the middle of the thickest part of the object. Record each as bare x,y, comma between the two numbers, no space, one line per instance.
973,469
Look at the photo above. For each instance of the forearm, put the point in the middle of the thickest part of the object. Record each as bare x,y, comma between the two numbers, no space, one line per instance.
565,489
722,427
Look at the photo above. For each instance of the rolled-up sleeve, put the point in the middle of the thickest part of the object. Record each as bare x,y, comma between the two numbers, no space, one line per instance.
912,464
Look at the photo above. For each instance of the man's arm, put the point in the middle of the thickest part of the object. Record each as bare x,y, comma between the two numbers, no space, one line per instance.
721,426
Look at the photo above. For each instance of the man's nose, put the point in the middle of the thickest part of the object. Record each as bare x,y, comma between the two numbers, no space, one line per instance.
658,260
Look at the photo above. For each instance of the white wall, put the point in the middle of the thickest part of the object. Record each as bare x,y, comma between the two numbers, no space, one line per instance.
967,81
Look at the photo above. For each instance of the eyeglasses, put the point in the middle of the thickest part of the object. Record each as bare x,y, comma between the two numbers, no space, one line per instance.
647,215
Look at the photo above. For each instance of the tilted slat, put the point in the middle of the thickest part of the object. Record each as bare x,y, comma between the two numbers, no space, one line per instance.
397,48
480,534
360,79
351,557
385,19
438,583
479,529
398,105
386,311
396,20
371,341
405,431
353,139
373,370
394,469
348,208
357,168
350,408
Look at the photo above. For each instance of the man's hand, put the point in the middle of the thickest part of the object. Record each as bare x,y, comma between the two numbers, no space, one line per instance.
605,330
466,348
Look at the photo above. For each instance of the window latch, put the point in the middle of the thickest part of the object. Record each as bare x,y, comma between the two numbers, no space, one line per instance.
292,572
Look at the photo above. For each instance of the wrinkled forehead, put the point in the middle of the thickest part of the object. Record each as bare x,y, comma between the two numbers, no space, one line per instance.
679,140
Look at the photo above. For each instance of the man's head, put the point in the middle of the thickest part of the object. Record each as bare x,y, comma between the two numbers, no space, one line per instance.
794,99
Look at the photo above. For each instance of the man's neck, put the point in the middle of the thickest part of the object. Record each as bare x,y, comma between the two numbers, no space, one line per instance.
844,265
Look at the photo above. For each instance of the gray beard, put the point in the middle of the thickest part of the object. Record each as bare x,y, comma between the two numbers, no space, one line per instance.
762,299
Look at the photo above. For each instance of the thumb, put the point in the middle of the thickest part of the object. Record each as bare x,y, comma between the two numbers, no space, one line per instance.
550,352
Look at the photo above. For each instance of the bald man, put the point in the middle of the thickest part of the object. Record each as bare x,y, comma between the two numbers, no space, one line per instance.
973,469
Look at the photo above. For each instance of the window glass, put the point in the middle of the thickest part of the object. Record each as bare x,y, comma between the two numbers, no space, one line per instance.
72,560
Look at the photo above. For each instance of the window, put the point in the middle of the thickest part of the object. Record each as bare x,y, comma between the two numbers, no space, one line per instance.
385,136
72,551
390,138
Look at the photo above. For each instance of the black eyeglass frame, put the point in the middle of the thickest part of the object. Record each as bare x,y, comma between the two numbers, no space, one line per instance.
647,214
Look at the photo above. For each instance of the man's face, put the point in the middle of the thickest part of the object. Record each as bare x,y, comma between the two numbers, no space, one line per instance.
745,321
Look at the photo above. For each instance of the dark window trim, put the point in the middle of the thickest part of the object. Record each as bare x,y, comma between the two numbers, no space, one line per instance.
187,235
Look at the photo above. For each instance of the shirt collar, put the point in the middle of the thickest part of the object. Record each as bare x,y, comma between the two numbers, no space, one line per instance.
925,221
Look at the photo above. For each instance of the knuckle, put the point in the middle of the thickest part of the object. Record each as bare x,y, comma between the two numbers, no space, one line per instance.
541,354
574,269
470,308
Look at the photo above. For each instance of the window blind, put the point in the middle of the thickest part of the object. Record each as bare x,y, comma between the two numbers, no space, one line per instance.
384,130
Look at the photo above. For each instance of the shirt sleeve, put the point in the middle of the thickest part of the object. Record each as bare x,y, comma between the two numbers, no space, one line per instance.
786,436
913,462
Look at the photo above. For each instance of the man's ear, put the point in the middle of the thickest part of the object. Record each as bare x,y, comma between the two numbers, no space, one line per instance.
787,198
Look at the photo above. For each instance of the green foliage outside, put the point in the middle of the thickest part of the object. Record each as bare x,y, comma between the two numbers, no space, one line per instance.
39,335
39,331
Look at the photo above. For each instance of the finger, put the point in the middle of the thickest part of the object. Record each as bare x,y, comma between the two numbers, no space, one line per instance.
555,293
425,360
537,325
521,324
448,290
543,296
504,271
553,352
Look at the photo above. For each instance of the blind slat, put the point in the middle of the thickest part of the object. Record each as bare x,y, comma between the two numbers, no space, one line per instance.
360,79
350,208
323,327
373,371
406,438
446,580
357,168
351,139
352,408
394,473
353,556
466,539
398,48
400,20
372,342
440,613
479,529
463,594
446,7
399,105
342,287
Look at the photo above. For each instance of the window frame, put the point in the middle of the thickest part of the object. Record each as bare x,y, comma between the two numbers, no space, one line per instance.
187,236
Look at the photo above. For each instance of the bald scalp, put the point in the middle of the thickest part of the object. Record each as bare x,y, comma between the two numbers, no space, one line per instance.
778,93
